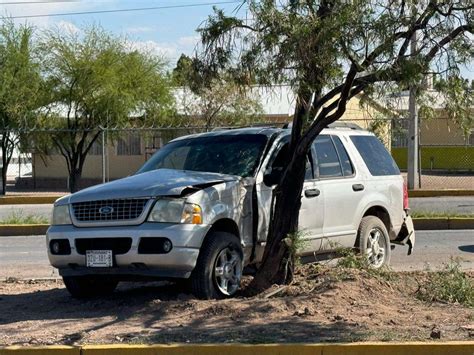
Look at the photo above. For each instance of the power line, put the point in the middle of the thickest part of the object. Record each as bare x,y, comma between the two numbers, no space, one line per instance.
36,2
127,10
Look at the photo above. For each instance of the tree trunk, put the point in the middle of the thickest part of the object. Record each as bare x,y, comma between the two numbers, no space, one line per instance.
7,152
74,178
4,176
278,259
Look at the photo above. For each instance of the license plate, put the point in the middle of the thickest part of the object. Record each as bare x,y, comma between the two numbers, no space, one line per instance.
99,258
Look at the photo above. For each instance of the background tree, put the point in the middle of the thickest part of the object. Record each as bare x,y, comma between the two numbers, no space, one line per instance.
19,88
330,51
212,101
96,80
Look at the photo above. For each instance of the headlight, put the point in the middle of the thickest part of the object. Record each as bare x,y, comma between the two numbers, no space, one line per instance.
175,211
61,215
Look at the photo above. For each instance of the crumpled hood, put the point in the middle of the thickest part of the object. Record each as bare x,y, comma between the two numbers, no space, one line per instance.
161,182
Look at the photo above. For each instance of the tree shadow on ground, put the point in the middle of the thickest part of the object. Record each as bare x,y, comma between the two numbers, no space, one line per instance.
164,313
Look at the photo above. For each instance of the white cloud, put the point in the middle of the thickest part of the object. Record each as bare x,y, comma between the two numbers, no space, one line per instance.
161,49
68,27
188,42
139,29
169,50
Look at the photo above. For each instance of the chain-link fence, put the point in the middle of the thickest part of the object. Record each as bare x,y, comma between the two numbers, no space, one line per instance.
39,161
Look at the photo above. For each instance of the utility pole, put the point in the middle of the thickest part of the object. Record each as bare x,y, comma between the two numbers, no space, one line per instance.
412,130
104,150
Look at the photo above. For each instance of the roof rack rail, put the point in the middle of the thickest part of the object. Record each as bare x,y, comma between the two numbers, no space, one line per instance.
345,125
263,125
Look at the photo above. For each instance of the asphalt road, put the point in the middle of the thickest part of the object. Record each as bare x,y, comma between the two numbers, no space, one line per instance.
461,205
25,257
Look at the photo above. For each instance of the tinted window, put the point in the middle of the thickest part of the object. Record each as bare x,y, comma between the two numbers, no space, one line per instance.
378,160
346,164
326,157
226,154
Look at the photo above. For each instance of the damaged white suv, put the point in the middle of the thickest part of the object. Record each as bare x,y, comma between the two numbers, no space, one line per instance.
199,209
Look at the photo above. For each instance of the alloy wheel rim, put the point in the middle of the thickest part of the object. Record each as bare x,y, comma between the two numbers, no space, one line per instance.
228,271
376,248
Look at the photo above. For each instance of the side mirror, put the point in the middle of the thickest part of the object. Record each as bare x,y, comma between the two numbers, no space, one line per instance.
272,176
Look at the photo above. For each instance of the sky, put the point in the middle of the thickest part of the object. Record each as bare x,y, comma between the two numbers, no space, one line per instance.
167,32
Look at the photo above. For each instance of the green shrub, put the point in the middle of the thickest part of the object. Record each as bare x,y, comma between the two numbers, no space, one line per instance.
18,217
449,285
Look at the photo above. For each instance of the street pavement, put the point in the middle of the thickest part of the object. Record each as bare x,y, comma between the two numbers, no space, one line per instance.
25,257
460,205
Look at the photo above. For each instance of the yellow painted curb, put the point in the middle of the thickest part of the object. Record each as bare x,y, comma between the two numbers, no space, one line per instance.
208,349
415,348
438,193
13,230
41,350
28,199
369,348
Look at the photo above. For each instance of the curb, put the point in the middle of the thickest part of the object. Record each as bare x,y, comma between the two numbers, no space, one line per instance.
443,223
14,230
439,193
29,200
415,348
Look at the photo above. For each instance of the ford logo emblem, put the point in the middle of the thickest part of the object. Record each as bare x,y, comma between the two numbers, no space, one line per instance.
106,210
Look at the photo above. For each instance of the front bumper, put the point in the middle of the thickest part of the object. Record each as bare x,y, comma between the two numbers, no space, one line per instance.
178,263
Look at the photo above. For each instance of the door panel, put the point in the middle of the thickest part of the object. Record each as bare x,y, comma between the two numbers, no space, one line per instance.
343,191
311,217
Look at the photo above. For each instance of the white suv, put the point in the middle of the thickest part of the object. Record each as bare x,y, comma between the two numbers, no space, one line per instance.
199,209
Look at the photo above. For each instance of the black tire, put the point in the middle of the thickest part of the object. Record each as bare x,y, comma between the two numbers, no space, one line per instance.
204,280
378,253
89,286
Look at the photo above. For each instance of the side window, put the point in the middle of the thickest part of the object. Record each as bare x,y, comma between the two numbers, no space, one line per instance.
347,168
327,160
282,158
376,157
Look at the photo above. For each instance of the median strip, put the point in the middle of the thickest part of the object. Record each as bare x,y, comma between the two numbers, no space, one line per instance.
29,199
14,230
415,348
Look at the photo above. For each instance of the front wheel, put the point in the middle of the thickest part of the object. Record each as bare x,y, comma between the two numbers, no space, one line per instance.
374,242
89,286
219,267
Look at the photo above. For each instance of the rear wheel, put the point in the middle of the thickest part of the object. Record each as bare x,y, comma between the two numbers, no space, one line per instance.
219,267
89,286
374,242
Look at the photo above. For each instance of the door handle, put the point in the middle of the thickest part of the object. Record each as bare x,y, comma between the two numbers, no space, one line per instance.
357,187
311,193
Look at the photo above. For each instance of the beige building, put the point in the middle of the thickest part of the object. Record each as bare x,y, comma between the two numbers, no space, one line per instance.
124,156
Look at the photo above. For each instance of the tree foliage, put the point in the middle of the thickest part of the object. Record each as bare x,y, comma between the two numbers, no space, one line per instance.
329,52
211,102
97,80
20,87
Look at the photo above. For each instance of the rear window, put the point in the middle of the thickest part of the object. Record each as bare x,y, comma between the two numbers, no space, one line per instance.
378,160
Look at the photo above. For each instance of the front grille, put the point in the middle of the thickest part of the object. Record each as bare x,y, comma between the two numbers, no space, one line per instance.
109,210
117,245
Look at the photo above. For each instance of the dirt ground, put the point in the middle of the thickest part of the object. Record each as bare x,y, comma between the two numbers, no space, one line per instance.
321,306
